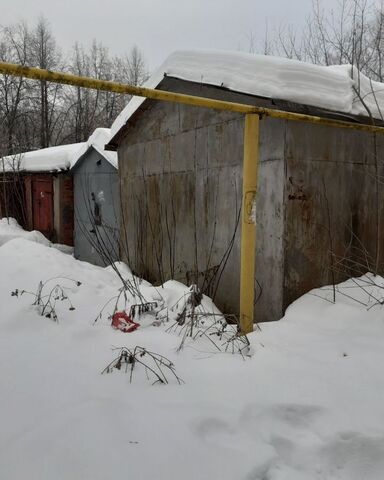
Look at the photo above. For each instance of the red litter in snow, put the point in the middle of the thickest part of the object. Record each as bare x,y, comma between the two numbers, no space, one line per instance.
122,321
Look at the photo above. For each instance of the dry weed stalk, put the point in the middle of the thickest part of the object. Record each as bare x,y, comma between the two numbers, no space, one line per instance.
47,296
157,367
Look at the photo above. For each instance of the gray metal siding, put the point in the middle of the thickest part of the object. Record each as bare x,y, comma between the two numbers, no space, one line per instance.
94,175
319,189
181,178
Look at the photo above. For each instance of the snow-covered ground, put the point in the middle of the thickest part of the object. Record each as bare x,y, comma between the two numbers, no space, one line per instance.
10,229
308,403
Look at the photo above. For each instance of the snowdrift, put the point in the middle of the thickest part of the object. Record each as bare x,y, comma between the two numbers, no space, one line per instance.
308,404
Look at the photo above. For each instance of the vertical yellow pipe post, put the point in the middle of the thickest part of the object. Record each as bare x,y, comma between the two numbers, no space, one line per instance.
248,224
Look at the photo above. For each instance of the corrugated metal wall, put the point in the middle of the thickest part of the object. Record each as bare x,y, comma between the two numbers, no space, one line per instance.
320,199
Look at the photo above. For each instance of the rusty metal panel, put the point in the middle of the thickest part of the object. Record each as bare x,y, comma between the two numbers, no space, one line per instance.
320,193
334,199
180,170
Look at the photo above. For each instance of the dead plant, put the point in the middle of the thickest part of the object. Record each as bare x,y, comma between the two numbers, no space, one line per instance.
221,331
47,295
157,367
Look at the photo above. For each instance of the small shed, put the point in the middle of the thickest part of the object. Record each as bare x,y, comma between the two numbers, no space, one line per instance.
40,193
96,201
320,200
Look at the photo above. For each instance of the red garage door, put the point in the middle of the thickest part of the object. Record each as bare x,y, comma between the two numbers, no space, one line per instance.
42,201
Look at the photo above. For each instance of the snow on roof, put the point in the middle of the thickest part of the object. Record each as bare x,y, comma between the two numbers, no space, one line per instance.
99,138
52,159
331,88
59,158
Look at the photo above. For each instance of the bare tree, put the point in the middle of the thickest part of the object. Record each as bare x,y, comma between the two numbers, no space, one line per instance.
37,115
91,109
45,54
14,91
352,33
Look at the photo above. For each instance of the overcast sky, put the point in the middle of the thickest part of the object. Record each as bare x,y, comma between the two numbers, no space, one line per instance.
159,27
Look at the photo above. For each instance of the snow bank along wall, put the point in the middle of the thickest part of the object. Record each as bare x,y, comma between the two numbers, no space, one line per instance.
181,178
97,207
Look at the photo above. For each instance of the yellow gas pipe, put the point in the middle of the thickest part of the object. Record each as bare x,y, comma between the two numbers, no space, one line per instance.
250,162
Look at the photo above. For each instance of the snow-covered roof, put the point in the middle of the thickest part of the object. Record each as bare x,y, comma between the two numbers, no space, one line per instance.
99,138
52,159
63,157
331,88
